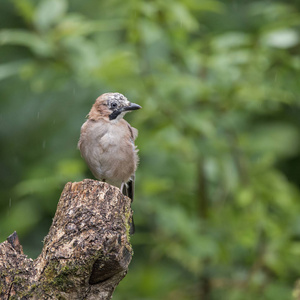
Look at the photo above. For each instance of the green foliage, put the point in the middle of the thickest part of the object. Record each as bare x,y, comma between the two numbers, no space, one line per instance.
217,199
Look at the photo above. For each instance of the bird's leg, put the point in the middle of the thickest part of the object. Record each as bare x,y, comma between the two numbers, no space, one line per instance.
130,189
126,189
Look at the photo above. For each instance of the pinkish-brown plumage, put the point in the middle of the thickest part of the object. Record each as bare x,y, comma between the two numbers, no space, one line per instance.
107,140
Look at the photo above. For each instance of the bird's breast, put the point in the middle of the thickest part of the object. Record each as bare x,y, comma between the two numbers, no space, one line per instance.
111,153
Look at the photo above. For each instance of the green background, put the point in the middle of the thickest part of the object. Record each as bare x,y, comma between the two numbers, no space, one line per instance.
217,207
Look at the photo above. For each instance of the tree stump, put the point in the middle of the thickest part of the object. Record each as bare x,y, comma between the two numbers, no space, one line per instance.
86,252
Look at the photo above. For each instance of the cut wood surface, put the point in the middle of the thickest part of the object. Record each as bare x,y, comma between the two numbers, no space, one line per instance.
86,252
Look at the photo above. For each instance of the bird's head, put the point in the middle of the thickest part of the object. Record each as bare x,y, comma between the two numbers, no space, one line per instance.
112,106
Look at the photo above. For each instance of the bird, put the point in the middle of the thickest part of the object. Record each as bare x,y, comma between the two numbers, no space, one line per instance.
107,143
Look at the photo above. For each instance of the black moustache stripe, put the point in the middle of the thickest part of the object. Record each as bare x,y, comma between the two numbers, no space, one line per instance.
114,114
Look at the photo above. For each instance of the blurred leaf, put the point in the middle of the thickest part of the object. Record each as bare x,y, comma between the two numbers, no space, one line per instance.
25,8
70,168
281,38
231,40
10,69
150,31
36,186
48,12
206,5
217,188
154,186
182,16
276,139
25,38
25,211
76,25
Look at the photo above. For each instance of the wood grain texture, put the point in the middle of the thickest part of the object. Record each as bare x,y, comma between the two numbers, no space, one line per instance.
86,252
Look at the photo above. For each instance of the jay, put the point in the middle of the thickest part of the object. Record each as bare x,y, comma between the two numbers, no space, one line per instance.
107,143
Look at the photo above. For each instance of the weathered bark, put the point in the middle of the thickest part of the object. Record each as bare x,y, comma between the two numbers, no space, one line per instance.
86,252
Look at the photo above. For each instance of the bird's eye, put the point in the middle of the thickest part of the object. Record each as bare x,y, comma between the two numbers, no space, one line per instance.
114,105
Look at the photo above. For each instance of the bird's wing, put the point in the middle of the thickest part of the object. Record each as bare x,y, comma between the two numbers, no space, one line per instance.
91,131
133,132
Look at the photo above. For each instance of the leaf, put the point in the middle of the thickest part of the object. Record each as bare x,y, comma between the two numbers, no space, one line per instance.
25,211
281,139
231,40
208,5
9,69
76,25
49,12
25,8
26,39
150,31
284,39
183,16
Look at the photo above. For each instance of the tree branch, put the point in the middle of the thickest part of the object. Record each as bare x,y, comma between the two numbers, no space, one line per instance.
86,252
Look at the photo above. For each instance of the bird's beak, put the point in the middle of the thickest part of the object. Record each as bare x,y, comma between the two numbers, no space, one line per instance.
132,106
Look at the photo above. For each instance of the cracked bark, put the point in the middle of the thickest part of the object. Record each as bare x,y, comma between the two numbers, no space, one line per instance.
86,252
